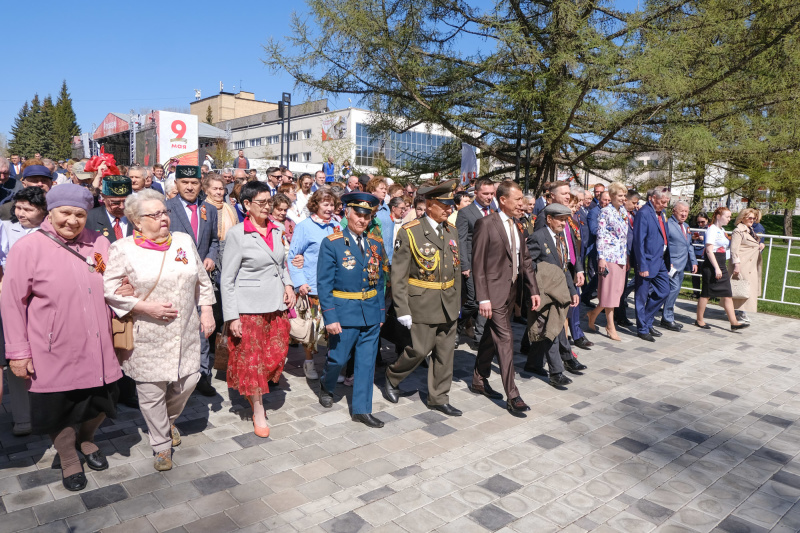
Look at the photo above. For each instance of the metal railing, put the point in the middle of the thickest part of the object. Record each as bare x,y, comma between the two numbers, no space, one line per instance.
775,245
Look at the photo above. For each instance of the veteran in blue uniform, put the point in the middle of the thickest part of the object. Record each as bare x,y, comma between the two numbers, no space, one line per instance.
350,283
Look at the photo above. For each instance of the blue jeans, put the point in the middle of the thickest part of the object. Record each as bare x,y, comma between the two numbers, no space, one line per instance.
675,283
365,339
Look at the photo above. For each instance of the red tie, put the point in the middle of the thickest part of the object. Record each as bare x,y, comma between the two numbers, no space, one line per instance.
663,230
194,222
117,229
485,211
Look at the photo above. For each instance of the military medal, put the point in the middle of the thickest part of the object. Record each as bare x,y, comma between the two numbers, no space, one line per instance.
348,261
203,212
181,256
105,232
99,264
90,262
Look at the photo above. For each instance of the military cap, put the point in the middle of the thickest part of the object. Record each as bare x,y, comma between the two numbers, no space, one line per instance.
116,186
443,192
188,171
556,210
362,202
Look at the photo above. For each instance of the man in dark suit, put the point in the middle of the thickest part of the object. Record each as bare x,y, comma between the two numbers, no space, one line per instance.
651,260
465,223
9,186
109,219
15,169
501,265
198,219
681,257
549,244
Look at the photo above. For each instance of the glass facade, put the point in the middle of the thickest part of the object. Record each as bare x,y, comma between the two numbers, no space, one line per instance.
397,148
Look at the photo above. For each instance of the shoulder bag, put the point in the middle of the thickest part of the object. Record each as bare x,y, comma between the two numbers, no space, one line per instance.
301,326
740,288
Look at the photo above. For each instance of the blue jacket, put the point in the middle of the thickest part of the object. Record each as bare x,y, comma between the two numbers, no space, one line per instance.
384,216
583,224
341,267
330,171
681,251
306,241
648,242
591,220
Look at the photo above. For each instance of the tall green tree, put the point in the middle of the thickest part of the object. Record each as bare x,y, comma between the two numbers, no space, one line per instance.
65,124
43,129
577,85
21,132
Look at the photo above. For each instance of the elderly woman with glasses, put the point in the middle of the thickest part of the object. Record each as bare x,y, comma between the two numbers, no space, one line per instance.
169,282
746,249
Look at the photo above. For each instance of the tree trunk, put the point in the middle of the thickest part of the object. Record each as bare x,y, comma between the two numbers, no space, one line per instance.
788,212
699,188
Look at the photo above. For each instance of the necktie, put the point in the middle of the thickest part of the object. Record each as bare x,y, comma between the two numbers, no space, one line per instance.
663,230
514,265
439,230
194,221
360,245
562,248
570,250
117,229
485,211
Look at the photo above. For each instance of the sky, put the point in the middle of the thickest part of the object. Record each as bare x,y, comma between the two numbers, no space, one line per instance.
123,56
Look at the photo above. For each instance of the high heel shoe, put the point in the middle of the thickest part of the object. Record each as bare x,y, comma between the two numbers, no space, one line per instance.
260,431
613,337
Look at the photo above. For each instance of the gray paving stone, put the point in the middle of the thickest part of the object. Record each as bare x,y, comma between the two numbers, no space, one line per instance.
734,524
249,513
439,429
650,511
38,478
18,521
214,483
138,525
631,445
58,509
135,507
148,483
93,520
376,494
492,517
546,442
346,523
104,496
500,485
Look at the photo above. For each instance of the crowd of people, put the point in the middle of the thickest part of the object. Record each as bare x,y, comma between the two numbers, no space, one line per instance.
115,282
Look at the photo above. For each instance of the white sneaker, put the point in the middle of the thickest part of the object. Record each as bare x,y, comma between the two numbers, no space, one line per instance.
743,317
310,371
340,379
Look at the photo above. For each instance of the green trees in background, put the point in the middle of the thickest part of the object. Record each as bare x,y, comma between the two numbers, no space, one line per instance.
45,128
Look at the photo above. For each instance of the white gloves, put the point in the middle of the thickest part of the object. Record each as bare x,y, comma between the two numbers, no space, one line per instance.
405,320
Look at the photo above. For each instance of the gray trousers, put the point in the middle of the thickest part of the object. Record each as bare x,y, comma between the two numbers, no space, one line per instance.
161,402
555,352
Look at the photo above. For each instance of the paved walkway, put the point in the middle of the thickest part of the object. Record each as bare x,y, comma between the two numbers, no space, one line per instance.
692,433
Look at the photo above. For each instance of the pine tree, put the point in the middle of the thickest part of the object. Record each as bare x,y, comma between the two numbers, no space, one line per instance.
209,115
65,125
43,128
20,132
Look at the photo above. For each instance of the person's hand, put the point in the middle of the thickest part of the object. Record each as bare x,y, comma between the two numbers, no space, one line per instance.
717,273
333,329
208,264
761,246
465,273
303,289
298,261
575,300
207,324
22,368
601,265
289,297
736,269
694,269
405,320
126,289
644,273
236,328
157,310
485,309
579,279
536,301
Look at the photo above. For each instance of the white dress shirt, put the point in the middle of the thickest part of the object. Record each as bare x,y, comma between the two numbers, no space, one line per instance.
123,223
434,226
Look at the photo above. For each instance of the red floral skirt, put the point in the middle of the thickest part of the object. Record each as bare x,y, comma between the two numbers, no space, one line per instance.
258,357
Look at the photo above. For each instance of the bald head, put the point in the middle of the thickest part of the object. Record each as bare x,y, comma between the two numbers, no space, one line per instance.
239,173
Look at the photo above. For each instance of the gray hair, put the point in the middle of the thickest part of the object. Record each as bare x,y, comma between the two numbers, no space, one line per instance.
4,162
137,169
133,203
680,203
658,192
49,163
227,171
529,196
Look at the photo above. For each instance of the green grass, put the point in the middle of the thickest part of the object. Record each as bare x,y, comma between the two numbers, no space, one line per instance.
777,267
773,224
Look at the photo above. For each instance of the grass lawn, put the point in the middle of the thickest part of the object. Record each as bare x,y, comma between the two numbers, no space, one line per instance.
777,267
773,224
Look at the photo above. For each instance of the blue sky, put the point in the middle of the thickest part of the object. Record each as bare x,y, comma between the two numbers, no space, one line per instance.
146,55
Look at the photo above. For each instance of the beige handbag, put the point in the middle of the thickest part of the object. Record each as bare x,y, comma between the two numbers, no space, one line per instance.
301,326
122,328
740,288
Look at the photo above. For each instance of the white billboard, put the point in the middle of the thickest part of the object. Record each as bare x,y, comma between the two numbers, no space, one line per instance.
177,137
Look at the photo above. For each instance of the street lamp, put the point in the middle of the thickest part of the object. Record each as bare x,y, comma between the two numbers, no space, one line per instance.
285,110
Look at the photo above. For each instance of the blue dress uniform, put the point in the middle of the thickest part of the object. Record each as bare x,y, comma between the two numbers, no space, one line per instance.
351,292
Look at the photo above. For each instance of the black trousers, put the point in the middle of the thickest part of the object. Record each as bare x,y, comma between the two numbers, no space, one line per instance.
469,308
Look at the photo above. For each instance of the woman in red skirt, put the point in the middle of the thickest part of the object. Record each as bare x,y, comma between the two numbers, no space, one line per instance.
256,292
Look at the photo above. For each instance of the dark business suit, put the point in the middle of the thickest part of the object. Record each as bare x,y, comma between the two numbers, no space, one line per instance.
465,223
97,220
542,248
651,255
620,311
497,282
13,170
592,218
207,244
8,189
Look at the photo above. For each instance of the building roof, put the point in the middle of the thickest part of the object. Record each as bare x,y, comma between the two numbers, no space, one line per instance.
207,131
307,108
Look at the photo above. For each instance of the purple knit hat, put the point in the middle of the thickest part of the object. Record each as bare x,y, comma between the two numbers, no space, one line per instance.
69,194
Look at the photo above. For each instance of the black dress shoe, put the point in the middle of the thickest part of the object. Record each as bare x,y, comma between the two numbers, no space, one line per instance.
486,390
647,337
703,326
516,405
559,380
584,343
325,398
96,460
672,326
590,305
204,387
740,326
368,420
391,393
574,366
447,409
654,332
75,482
536,370
624,322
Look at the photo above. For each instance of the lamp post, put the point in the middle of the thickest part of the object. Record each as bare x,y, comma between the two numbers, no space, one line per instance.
287,102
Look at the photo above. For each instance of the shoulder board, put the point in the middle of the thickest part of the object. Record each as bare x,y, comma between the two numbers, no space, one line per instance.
411,224
334,236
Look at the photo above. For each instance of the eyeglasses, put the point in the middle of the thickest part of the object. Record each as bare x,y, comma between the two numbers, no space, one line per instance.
749,218
259,203
277,176
157,215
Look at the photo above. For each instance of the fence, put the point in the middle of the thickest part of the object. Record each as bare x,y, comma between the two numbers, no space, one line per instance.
780,267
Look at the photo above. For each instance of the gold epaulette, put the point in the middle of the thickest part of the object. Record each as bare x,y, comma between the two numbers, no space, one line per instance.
411,224
334,236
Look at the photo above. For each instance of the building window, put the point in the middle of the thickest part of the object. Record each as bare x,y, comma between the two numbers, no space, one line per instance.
305,134
305,157
273,139
294,136
238,145
396,148
293,158
255,142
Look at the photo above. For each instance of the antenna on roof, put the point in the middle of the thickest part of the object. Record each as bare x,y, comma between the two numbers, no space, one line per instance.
197,94
220,86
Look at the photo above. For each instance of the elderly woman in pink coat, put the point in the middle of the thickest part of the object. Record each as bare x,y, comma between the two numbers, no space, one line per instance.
58,330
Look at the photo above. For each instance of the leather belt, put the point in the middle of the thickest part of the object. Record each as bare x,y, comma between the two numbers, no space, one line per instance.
363,295
431,284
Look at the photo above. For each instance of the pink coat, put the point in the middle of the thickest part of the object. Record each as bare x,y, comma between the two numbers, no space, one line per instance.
68,335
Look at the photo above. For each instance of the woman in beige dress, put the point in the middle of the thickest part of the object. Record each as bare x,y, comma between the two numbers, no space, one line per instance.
165,360
746,262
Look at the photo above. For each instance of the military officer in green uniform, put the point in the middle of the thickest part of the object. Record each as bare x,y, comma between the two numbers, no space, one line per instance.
426,287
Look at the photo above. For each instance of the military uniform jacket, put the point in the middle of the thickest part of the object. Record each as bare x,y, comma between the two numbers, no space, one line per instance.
421,255
342,268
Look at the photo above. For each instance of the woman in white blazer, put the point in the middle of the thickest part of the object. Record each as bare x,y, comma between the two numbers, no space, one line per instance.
256,293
